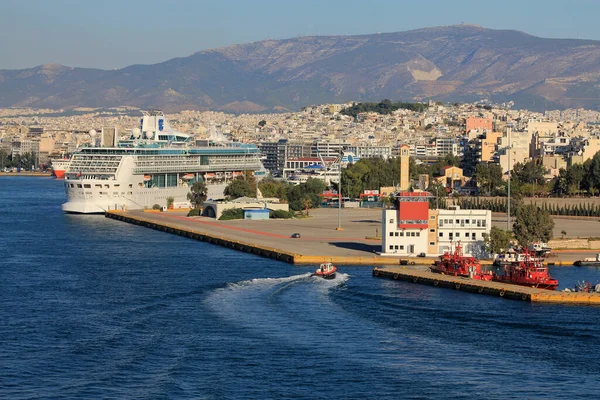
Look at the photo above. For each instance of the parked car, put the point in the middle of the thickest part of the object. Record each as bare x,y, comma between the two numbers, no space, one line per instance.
295,235
421,255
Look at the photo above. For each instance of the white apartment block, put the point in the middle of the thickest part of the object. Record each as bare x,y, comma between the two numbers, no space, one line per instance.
466,226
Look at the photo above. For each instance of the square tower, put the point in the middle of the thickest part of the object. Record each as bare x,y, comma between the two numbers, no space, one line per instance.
404,163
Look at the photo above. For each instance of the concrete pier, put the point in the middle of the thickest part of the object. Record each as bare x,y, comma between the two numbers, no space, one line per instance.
319,240
499,289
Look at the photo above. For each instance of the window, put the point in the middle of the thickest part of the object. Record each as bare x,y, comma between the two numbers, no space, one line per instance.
432,230
479,223
441,234
401,247
130,185
467,234
432,217
412,234
391,220
432,243
450,235
401,233
87,186
391,233
418,234
466,221
79,185
483,223
391,247
396,234
457,234
396,247
98,186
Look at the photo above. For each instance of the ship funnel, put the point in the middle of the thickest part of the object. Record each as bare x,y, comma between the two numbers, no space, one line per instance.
153,123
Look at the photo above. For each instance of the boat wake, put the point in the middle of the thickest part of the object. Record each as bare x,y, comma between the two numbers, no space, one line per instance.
281,307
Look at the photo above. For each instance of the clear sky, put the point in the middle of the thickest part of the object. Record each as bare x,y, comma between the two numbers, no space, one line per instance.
116,33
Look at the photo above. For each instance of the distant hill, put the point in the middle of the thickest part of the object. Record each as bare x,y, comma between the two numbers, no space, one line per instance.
451,63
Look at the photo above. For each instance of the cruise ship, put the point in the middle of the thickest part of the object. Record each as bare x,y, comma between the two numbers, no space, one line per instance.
156,162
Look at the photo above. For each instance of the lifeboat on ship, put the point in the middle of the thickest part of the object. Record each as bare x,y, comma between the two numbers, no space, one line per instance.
457,264
187,177
147,178
528,272
326,271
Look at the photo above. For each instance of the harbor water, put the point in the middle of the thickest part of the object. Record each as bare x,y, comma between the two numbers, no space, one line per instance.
96,308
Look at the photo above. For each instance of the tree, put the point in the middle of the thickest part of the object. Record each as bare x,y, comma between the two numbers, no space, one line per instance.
241,187
197,194
563,233
530,172
309,189
488,177
262,123
269,187
170,201
532,224
439,195
306,204
497,241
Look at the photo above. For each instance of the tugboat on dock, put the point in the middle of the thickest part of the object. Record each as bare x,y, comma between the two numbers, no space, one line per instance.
528,272
455,263
326,271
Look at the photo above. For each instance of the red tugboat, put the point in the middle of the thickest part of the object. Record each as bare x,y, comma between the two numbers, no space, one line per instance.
459,265
528,272
326,271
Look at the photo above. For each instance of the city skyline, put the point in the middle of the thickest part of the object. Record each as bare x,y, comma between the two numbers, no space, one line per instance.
112,35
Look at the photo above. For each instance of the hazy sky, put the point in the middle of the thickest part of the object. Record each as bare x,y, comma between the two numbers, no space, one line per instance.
116,33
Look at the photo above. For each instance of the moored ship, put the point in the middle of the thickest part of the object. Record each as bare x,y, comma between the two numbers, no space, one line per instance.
59,167
528,272
455,263
156,163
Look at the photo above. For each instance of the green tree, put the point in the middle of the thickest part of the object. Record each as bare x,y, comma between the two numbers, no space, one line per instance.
497,241
197,194
439,195
232,213
306,204
262,123
242,186
488,177
532,224
530,172
270,187
309,189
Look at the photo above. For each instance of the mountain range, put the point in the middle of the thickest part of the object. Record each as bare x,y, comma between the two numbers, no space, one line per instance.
449,63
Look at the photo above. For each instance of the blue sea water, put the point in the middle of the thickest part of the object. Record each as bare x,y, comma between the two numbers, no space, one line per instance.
95,308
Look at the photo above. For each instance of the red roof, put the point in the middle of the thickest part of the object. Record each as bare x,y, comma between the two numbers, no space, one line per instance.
413,194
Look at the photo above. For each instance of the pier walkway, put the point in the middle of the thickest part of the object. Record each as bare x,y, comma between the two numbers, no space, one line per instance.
499,289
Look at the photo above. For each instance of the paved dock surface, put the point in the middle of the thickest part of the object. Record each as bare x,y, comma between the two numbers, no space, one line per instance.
319,240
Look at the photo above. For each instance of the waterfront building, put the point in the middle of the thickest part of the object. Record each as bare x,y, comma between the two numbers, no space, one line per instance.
465,226
404,229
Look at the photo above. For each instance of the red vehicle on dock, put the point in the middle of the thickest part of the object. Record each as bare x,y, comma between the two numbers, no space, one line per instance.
459,265
528,272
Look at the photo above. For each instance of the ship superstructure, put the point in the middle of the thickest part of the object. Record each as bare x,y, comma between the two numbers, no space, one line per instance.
155,163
